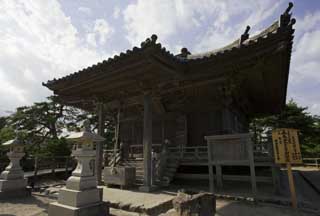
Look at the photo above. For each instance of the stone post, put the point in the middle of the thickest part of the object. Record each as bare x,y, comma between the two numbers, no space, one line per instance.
81,195
12,181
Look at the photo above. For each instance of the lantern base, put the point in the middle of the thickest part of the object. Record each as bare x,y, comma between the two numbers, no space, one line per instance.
96,209
79,198
14,189
13,185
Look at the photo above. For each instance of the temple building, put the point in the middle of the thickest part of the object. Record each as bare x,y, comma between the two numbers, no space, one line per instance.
168,102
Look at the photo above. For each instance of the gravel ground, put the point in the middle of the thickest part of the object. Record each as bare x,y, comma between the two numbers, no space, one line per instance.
37,205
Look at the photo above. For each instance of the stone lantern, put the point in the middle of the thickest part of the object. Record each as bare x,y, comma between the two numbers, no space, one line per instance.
12,181
81,195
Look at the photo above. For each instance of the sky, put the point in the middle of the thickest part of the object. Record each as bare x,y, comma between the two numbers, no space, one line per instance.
45,39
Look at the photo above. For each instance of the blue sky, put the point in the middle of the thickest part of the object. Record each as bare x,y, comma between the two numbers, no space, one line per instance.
43,39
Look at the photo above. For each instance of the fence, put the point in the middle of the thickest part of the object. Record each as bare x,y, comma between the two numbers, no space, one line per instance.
311,162
36,164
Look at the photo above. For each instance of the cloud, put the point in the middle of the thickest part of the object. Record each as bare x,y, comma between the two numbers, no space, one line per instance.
101,32
38,42
116,12
304,79
164,18
85,10
231,20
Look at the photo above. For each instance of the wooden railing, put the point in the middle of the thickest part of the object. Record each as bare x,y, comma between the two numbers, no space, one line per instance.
137,149
311,162
186,152
34,165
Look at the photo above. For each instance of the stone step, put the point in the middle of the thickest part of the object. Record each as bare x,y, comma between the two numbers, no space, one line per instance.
169,174
171,169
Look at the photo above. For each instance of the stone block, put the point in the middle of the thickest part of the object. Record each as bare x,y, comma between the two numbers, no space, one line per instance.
123,176
4,195
76,198
95,209
13,184
201,204
81,183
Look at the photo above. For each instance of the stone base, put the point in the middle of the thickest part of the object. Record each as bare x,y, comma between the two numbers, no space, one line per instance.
15,194
13,184
79,198
123,176
197,204
97,209
147,189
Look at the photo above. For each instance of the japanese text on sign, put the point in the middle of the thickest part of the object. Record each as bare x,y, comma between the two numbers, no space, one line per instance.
286,146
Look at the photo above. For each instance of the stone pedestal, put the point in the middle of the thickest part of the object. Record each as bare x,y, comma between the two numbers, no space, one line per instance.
81,195
12,181
194,205
123,176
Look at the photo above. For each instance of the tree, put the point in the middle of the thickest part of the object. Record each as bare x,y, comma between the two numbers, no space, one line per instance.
293,116
45,125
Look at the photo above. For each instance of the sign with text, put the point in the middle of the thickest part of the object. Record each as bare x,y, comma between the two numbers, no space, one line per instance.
286,146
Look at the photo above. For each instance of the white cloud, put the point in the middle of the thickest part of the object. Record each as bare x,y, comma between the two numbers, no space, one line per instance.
167,17
85,10
163,18
231,19
37,43
309,22
101,32
304,79
116,12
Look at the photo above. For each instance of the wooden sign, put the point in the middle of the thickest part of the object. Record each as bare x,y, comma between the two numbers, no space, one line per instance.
287,151
286,146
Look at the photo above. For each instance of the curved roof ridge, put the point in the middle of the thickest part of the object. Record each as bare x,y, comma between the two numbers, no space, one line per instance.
235,44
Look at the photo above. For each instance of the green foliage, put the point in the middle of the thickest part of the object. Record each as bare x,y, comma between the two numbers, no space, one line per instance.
293,116
45,124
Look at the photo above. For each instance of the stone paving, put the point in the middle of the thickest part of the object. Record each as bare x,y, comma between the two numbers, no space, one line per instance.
155,203
37,205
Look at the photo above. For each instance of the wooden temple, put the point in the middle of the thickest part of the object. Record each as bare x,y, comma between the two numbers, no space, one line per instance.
175,103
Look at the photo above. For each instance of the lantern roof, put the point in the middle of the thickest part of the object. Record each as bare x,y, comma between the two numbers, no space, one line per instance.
85,134
15,141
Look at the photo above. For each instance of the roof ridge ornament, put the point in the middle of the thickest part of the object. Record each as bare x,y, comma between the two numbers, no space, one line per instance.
244,36
285,18
184,52
149,41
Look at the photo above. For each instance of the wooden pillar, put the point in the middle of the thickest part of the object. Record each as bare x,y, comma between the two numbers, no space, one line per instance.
226,120
275,170
117,130
251,163
210,167
99,145
219,176
147,142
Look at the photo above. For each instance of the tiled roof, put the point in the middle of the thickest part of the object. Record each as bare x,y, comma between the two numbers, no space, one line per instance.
277,28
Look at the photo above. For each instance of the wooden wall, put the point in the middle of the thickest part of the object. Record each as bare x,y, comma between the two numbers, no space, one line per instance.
185,129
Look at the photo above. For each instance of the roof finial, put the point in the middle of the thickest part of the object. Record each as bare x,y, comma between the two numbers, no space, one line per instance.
286,16
289,8
154,38
184,52
244,36
149,41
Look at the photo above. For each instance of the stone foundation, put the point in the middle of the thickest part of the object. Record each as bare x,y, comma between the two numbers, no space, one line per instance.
201,204
57,209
